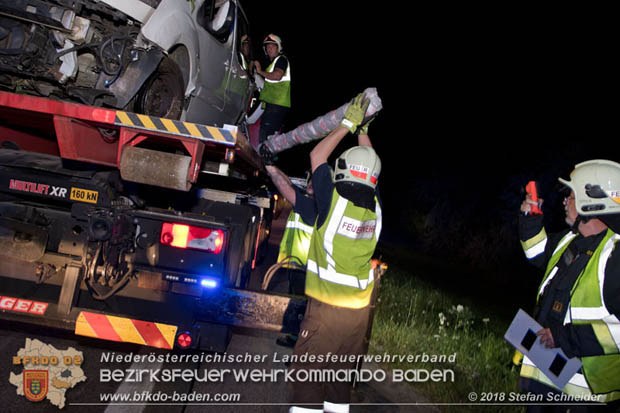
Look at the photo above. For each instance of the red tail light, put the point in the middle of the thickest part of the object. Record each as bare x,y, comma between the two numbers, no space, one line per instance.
187,236
184,340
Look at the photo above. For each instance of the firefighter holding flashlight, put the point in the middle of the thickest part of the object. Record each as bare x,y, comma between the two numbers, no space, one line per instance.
578,301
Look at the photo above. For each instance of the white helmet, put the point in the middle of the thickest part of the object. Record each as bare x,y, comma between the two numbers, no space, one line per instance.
272,38
359,164
596,185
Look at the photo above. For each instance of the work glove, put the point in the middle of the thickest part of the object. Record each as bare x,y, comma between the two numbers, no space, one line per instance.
363,128
266,155
354,116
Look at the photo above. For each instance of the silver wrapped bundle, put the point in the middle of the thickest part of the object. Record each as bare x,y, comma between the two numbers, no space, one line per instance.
319,127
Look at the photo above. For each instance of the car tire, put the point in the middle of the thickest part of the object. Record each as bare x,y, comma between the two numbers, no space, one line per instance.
163,92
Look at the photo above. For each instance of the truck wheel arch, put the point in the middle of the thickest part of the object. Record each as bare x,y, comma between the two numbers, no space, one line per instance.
162,94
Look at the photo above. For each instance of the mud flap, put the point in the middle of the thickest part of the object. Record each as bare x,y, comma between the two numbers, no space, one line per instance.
214,337
138,71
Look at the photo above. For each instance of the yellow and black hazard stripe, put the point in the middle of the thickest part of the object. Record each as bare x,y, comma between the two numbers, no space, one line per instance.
188,129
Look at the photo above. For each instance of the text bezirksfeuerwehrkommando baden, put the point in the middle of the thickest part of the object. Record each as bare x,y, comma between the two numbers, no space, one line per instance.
141,371
256,375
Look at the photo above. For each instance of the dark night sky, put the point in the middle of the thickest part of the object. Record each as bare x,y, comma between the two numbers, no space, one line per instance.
477,97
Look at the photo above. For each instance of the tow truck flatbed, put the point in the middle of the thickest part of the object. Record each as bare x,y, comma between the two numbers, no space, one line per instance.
80,249
126,140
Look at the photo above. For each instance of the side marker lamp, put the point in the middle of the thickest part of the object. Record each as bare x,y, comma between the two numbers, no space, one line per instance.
209,283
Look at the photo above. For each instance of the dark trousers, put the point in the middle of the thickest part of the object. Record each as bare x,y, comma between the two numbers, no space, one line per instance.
334,331
296,281
271,120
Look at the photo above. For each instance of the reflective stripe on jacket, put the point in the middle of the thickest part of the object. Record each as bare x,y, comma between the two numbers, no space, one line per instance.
277,92
339,271
601,374
295,241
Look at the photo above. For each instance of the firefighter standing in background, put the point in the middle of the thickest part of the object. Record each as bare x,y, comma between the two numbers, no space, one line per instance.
578,301
296,238
245,53
276,94
339,277
297,234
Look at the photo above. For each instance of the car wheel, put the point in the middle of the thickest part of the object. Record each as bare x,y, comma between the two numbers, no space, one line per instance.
162,94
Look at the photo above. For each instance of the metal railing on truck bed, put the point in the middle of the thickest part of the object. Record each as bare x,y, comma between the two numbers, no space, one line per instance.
146,149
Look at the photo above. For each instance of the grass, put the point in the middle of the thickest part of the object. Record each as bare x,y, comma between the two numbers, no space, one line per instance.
415,317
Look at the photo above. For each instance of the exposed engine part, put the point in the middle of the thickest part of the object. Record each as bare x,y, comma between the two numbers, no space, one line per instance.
72,49
44,272
111,237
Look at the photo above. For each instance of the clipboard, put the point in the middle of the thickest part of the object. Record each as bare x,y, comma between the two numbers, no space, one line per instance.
553,362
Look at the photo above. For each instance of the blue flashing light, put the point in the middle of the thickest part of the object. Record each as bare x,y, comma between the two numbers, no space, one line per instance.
208,283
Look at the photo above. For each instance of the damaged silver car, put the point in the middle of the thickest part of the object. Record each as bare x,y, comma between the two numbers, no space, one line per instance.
169,58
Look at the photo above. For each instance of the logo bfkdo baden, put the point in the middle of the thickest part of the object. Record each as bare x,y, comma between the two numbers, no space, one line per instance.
36,384
48,373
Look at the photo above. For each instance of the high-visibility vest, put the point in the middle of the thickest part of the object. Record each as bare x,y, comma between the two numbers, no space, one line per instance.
244,62
601,374
277,92
295,241
339,271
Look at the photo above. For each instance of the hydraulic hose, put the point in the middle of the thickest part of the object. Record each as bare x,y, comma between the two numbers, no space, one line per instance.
275,267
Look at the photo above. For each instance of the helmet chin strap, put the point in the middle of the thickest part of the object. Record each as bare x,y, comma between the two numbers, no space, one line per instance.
578,220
